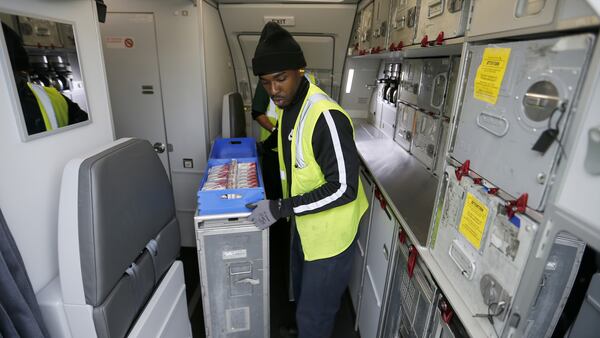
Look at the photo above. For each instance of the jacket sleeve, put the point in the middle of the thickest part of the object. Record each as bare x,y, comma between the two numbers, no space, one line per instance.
260,101
335,152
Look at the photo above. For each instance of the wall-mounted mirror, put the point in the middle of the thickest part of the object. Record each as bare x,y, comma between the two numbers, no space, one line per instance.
42,55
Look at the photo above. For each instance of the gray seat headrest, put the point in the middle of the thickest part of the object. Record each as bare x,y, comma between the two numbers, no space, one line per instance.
125,200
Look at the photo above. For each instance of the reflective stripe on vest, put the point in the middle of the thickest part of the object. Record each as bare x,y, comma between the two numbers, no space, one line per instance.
53,106
326,233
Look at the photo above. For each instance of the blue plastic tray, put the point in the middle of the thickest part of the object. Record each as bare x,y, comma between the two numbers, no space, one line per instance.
214,202
230,148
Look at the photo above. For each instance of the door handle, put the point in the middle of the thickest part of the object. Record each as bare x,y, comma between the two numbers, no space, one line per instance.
159,147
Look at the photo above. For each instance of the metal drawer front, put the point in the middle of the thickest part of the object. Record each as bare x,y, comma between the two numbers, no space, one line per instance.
405,126
434,82
445,17
403,22
426,138
491,16
411,79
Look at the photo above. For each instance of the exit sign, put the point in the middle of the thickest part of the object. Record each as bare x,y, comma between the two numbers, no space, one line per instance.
281,20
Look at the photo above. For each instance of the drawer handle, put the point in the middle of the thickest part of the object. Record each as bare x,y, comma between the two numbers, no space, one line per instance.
386,253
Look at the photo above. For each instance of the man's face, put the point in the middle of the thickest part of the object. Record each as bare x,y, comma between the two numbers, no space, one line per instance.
282,86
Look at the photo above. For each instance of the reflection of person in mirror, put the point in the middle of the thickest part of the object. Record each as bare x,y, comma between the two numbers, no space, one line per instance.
44,108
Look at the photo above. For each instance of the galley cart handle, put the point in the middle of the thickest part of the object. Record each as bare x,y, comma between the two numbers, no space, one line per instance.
251,281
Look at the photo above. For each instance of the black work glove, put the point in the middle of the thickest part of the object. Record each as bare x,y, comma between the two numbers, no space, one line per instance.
264,213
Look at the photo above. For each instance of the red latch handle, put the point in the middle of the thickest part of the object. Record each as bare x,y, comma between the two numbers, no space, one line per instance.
402,236
413,253
477,180
445,310
424,41
392,47
400,45
440,38
463,170
381,199
519,205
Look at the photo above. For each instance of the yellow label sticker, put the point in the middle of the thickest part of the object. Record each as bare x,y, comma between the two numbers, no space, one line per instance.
472,222
490,74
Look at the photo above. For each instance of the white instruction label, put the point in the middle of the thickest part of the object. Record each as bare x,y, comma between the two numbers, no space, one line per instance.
234,254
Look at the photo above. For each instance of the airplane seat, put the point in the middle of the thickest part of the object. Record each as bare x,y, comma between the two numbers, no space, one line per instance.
118,238
234,116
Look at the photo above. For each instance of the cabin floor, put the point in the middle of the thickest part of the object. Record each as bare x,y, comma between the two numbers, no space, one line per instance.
282,312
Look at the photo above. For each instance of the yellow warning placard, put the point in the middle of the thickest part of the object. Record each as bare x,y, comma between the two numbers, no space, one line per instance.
490,74
472,222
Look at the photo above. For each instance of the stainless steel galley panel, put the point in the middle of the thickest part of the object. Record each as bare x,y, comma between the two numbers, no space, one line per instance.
364,31
412,295
426,138
363,232
506,16
388,119
403,23
440,157
482,249
379,251
433,85
381,11
502,118
442,19
411,79
405,125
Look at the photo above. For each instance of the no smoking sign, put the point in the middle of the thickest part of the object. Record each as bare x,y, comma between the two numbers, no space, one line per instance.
128,42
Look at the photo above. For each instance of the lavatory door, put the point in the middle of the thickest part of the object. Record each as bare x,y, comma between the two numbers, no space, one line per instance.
131,58
518,98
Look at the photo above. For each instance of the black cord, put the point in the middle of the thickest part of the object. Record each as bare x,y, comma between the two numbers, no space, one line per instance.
497,312
562,109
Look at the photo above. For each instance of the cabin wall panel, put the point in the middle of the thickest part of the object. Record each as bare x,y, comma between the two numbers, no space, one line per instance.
219,67
30,172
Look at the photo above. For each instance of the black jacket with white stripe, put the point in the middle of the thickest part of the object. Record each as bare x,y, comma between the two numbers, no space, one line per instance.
335,152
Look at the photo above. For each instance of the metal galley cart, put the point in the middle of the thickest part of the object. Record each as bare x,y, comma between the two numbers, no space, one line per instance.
232,253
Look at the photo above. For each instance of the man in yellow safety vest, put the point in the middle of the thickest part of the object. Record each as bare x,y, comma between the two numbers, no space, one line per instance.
322,193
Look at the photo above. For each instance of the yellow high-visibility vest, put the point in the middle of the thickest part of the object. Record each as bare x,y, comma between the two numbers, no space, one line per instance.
327,233
53,106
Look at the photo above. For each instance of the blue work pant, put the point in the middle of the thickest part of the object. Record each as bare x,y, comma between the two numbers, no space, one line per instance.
318,289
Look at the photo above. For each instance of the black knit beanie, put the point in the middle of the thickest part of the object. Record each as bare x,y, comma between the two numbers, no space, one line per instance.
276,51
